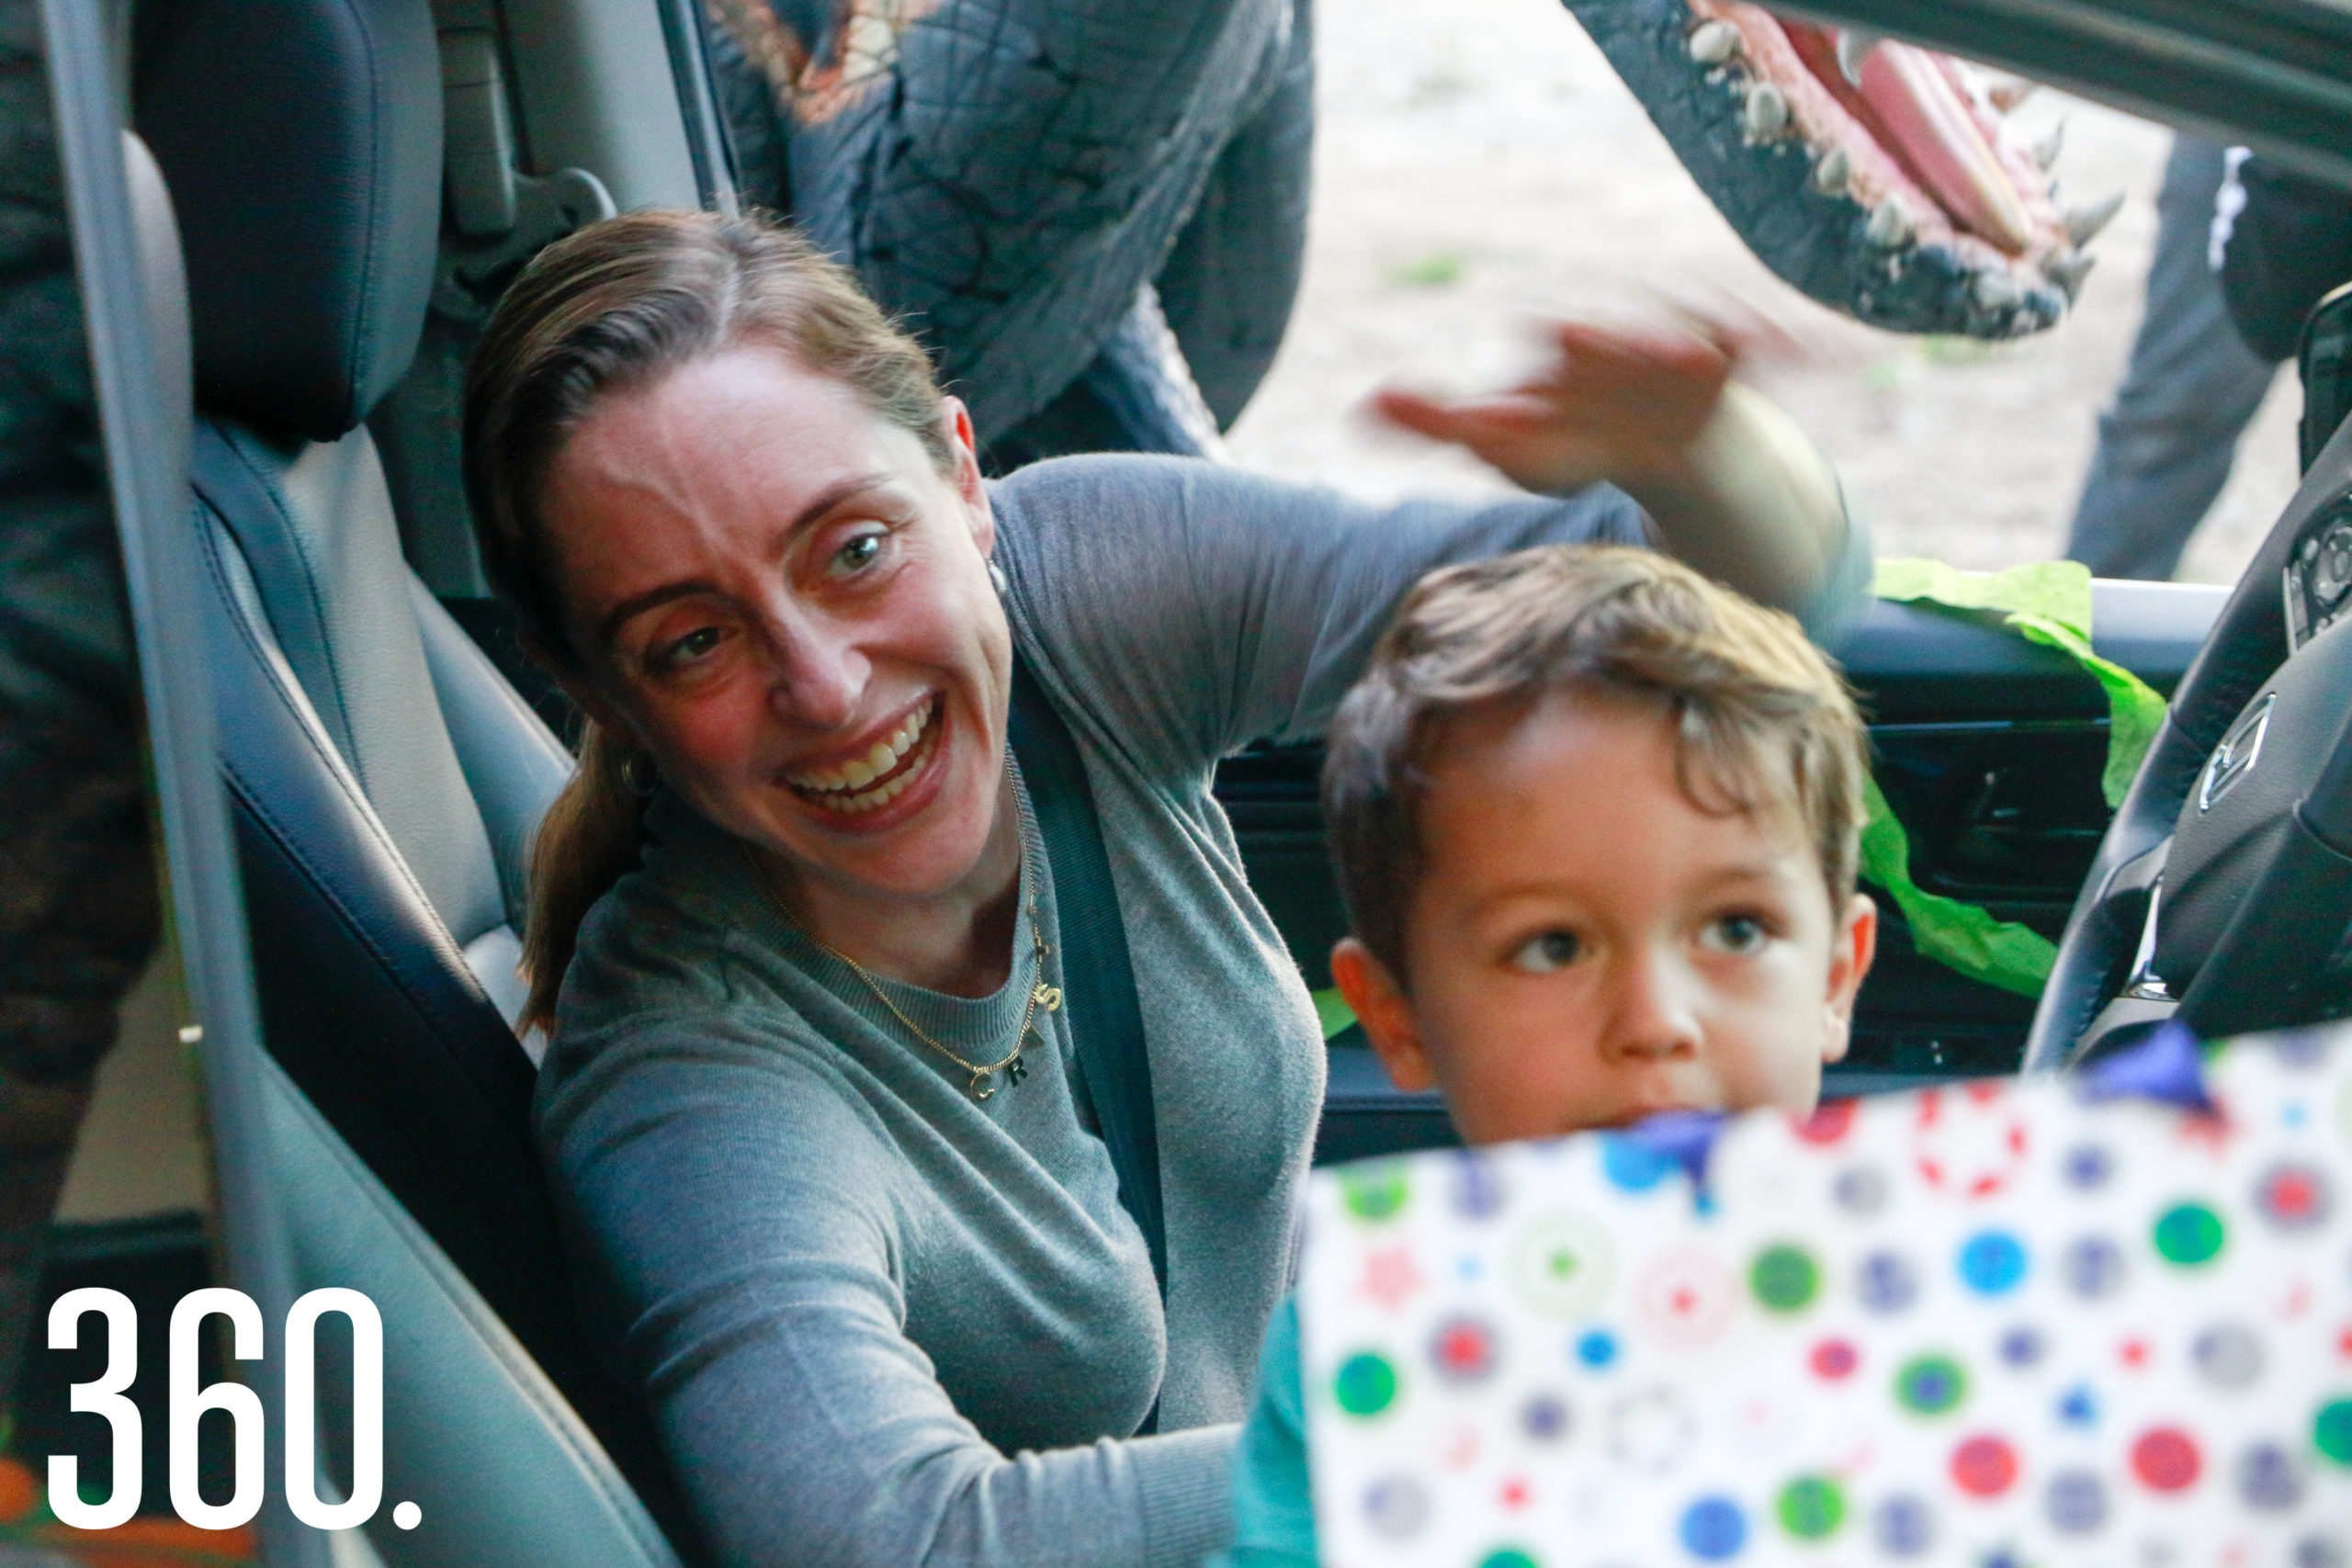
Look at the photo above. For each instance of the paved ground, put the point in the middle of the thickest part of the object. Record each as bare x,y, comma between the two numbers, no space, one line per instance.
1478,162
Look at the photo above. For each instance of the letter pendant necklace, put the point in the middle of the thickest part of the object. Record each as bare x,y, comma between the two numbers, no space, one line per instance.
1041,995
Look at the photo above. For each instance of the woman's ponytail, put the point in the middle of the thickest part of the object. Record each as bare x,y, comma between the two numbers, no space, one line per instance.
587,842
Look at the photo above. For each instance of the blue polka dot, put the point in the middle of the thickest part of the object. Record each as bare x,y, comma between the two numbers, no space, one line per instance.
2088,1167
2075,1501
2092,1267
1478,1189
1887,1282
2079,1406
1631,1163
1903,1525
1992,1263
1597,1349
1714,1529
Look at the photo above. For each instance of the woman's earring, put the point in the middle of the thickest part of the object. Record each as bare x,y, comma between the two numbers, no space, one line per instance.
1003,583
639,775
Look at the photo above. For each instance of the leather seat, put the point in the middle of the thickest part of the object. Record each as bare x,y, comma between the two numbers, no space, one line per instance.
385,778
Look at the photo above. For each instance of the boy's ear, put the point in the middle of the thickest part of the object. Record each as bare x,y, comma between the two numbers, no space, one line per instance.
1386,1013
1851,947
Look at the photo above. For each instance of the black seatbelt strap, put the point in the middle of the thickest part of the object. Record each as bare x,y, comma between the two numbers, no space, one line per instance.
1098,976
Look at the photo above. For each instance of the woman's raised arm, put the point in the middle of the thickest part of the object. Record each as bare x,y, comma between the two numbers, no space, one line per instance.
1197,608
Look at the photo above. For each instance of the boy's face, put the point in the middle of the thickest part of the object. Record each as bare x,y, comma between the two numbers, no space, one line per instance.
1587,946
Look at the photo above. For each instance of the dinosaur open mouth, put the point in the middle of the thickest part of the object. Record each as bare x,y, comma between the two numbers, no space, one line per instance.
1919,144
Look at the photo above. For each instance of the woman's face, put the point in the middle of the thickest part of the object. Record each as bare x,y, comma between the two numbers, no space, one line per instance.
778,594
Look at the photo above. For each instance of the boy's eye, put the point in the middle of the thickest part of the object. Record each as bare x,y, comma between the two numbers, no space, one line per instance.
1542,955
1738,933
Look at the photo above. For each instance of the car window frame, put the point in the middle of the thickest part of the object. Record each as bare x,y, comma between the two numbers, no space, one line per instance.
144,443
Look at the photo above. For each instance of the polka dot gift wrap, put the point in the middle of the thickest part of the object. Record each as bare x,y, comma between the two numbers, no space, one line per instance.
1988,1325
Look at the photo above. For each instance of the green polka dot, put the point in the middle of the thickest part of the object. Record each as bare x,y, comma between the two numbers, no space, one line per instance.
1509,1557
1811,1507
1560,1265
1930,1385
1376,1192
2189,1234
2332,1430
1366,1384
1784,1278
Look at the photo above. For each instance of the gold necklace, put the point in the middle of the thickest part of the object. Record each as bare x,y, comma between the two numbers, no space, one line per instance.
1041,995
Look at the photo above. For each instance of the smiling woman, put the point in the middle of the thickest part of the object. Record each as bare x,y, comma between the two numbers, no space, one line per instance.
833,1180
700,582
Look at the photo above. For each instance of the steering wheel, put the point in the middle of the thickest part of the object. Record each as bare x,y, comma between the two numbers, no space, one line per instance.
2222,891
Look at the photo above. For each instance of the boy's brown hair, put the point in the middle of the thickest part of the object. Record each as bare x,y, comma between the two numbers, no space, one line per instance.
1762,722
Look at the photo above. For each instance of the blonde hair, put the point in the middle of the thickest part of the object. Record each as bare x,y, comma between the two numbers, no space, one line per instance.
1761,720
616,305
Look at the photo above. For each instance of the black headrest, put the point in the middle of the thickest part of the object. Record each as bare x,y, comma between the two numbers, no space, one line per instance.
302,143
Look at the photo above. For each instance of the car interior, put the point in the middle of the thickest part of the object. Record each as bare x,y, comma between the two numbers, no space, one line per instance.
350,182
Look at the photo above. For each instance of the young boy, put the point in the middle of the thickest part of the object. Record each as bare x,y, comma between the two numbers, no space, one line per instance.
1595,819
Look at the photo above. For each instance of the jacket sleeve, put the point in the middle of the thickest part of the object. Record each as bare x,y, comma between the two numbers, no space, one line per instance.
2286,240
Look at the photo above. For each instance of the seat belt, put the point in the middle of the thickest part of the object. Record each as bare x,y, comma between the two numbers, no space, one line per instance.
1098,976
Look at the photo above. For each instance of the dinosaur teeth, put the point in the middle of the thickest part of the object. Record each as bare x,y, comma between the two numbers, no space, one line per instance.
2046,152
1940,139
1830,175
2085,222
1995,293
1889,226
1853,46
2068,271
1766,113
1713,43
2006,95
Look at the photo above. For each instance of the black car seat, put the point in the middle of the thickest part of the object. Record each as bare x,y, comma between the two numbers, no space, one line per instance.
471,1425
385,779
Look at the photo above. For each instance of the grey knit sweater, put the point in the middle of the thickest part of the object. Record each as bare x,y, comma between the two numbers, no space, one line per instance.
881,1323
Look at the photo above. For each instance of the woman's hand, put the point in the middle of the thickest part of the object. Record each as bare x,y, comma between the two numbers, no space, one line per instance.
1619,403
1732,484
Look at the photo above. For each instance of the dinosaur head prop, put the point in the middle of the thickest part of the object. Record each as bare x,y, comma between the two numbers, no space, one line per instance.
1879,178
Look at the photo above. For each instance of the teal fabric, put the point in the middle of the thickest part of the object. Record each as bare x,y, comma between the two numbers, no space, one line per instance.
1274,1512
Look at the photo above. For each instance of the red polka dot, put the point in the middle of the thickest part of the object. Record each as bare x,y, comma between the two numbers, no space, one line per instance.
1984,1467
2291,1195
2165,1458
1464,1347
1834,1359
2134,1353
1515,1493
1830,1121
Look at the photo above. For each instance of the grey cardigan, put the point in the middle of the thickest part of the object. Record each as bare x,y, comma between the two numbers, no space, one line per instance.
881,1323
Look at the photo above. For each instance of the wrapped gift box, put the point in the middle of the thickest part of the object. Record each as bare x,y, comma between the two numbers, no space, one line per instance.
1999,1324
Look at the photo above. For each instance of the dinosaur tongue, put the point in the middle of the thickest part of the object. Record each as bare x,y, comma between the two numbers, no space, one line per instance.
1910,102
